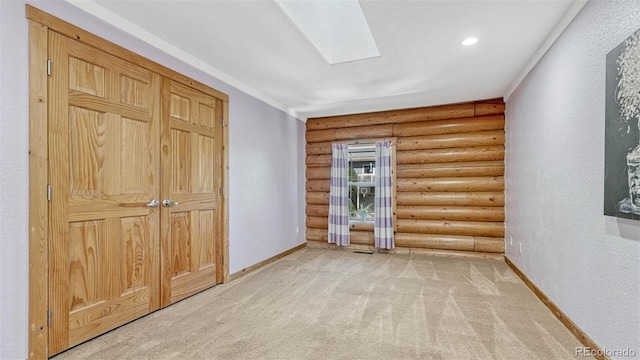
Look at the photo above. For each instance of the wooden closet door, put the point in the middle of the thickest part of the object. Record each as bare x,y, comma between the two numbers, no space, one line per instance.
191,186
104,131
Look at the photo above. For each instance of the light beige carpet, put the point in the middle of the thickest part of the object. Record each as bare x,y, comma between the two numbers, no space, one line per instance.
336,304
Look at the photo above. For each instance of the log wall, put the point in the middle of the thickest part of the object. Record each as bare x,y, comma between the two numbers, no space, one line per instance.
449,174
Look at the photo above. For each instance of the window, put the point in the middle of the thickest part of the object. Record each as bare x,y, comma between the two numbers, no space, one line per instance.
362,188
362,173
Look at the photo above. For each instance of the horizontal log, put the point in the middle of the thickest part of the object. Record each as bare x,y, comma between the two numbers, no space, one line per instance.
478,153
488,244
443,253
355,237
318,148
354,226
441,141
317,234
361,226
450,198
317,198
361,237
431,241
457,254
393,116
474,228
364,132
320,135
498,100
318,185
317,173
489,107
470,184
320,244
318,160
463,213
317,210
456,169
350,133
318,222
451,126
420,241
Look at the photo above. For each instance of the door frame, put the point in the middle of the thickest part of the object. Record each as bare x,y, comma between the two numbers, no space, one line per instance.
40,23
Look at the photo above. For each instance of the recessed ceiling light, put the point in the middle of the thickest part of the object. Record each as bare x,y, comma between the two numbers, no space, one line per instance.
469,41
337,29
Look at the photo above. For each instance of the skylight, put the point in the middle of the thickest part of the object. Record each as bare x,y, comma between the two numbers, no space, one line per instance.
470,41
337,29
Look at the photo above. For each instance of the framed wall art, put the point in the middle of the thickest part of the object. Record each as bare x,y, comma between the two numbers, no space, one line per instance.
622,134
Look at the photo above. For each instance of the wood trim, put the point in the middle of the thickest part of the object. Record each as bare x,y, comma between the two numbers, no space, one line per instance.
165,176
85,37
58,167
564,319
225,192
265,262
38,180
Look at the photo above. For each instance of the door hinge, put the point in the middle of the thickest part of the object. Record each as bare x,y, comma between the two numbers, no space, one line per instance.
49,67
48,317
222,122
49,192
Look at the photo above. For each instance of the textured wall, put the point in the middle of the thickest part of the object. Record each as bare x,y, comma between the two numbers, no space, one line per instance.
14,133
449,166
587,263
266,166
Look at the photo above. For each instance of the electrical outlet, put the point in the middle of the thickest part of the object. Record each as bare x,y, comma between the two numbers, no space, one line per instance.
520,247
510,240
297,229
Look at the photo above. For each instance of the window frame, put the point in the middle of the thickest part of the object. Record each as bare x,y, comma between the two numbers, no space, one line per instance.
368,226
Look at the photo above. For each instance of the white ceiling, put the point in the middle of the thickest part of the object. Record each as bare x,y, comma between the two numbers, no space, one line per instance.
255,47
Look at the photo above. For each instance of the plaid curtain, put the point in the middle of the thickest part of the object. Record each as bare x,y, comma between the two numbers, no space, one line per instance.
383,220
338,196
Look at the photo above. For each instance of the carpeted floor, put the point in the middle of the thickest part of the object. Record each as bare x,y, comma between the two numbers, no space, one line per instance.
336,304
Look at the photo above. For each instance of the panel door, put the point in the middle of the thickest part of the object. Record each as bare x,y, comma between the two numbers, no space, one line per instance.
104,131
191,185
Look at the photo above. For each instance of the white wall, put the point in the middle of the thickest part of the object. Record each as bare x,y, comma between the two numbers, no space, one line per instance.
14,184
587,263
266,194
